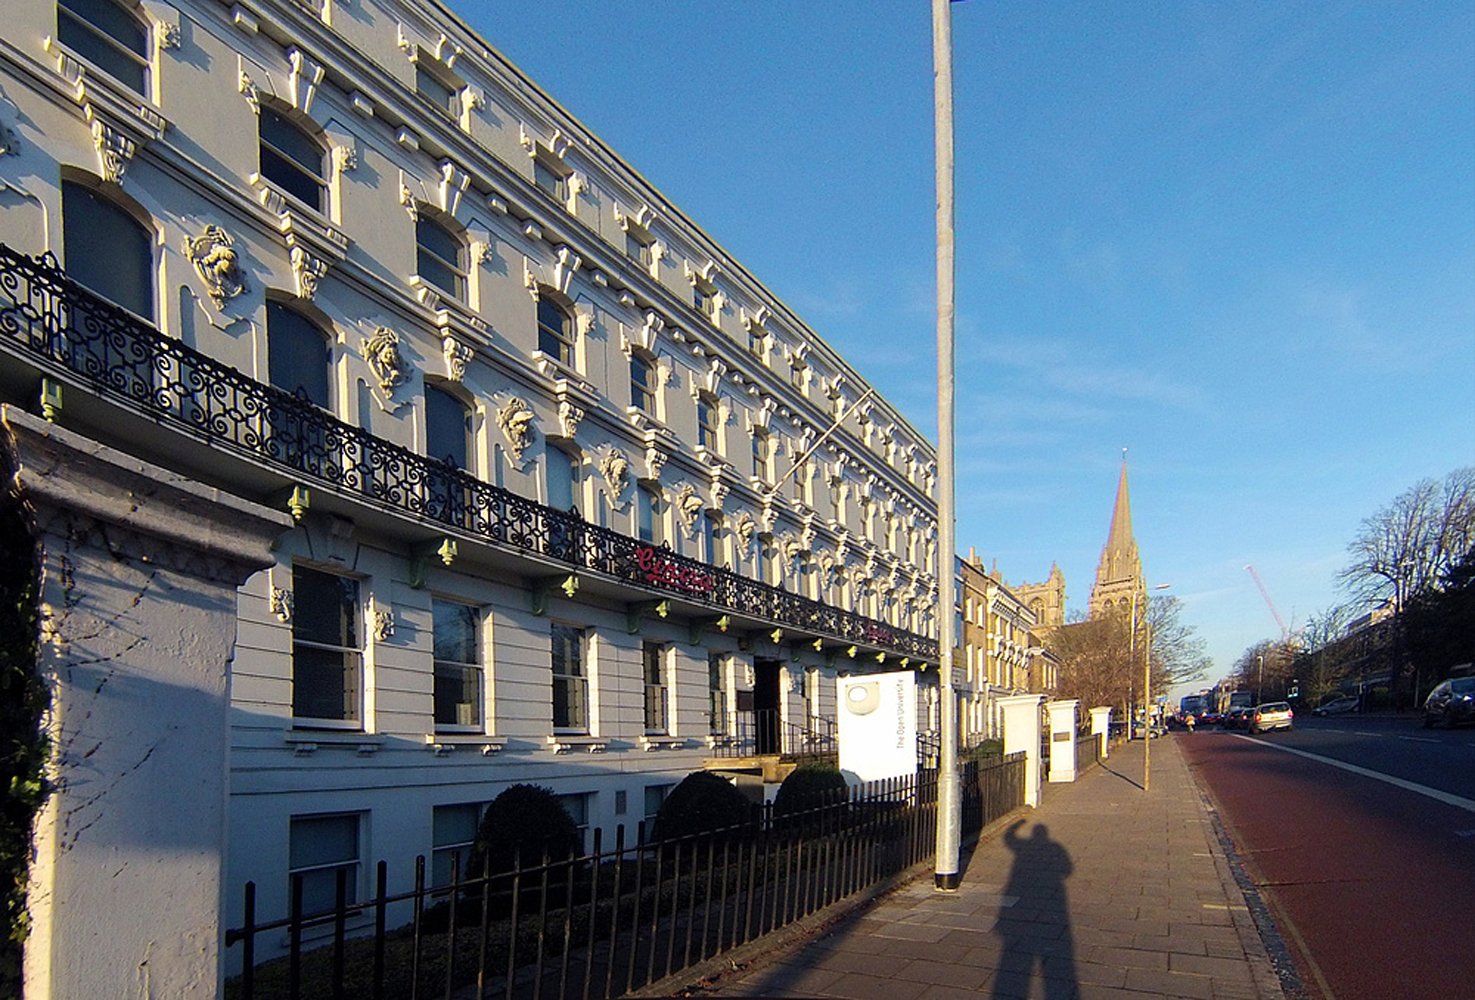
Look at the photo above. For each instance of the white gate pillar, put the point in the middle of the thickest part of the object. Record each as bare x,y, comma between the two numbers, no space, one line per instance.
1101,728
1022,733
140,568
1062,740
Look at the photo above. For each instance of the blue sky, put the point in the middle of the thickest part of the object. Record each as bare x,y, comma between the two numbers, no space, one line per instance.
1236,238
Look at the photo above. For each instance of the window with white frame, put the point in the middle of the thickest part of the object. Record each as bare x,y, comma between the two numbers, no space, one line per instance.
447,428
438,86
107,250
563,478
453,835
555,331
551,176
716,693
650,515
640,247
762,455
318,849
657,708
643,384
712,540
459,679
708,426
109,36
292,159
704,297
327,650
298,355
570,680
440,257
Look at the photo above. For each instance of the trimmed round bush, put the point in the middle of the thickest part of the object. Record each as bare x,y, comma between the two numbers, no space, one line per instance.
809,786
702,802
521,821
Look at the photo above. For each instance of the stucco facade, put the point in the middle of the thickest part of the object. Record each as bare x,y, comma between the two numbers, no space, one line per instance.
510,323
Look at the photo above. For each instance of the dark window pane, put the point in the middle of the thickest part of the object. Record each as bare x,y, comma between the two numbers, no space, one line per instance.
445,427
457,695
325,608
324,684
106,250
291,142
107,36
297,355
432,89
455,630
554,338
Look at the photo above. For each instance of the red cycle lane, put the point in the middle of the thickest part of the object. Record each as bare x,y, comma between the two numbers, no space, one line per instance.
1373,884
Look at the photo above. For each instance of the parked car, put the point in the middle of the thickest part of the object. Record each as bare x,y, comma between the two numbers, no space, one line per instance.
1451,702
1210,719
1271,715
1336,706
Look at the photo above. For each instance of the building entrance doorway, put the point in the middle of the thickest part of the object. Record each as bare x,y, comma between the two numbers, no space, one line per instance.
766,705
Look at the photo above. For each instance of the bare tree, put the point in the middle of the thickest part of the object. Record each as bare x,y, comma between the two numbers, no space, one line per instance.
1409,545
1102,658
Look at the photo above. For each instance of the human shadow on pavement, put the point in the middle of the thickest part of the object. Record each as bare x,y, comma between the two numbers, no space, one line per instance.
1035,922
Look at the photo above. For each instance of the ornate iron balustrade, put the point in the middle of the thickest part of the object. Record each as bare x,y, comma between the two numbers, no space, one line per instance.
64,326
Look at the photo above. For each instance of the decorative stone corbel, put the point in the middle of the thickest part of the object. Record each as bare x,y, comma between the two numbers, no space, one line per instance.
309,270
247,87
345,158
382,621
563,271
382,352
453,183
216,263
425,555
280,604
569,585
457,356
689,506
407,198
655,460
304,79
615,469
114,151
569,416
515,417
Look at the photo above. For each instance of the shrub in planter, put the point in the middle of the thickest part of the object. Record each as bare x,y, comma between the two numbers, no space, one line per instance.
809,787
702,802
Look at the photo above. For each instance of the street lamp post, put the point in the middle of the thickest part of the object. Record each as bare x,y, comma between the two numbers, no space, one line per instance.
949,801
1147,690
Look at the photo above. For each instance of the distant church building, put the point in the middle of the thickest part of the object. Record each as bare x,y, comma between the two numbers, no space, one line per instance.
1046,600
1119,575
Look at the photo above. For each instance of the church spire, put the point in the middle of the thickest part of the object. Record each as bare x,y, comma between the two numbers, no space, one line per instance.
1119,574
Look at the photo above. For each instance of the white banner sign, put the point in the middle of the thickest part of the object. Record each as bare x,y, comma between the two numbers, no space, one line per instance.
878,726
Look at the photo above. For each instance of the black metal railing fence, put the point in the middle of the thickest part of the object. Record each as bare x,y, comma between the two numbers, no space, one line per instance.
66,328
764,731
613,920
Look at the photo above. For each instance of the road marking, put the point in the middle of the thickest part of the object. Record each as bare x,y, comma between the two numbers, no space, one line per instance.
1358,732
1408,786
1419,739
1465,833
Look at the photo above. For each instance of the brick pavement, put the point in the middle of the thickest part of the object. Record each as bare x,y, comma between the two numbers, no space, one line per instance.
1103,891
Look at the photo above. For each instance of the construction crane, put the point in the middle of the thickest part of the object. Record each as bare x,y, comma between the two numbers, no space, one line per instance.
1285,633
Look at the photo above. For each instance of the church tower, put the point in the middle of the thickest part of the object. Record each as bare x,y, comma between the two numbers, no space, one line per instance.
1119,575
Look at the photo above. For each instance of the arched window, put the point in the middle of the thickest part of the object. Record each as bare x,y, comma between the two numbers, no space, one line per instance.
107,250
708,428
109,36
447,428
649,516
555,331
297,355
562,479
292,159
642,384
440,257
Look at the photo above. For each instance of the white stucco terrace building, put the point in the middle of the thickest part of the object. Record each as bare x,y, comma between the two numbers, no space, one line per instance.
514,443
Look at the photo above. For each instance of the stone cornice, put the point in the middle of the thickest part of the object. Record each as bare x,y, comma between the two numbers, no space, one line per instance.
134,508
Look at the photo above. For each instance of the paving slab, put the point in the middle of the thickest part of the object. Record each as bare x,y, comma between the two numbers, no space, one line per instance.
1104,890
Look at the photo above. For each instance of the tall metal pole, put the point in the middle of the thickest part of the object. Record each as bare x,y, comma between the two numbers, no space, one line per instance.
1147,682
948,800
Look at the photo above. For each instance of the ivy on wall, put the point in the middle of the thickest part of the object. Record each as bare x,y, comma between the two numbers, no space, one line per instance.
24,748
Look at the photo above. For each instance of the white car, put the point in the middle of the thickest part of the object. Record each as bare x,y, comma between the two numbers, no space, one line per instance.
1271,715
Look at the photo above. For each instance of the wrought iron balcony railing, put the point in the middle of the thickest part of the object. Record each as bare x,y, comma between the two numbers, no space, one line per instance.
69,331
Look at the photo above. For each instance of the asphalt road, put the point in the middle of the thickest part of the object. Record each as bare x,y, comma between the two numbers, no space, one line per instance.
1370,877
